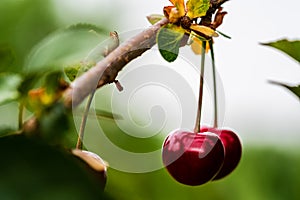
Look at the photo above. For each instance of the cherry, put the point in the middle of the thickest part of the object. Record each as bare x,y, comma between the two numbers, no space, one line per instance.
233,150
192,158
93,163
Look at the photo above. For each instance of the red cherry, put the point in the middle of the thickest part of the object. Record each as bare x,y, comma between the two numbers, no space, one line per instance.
192,158
233,150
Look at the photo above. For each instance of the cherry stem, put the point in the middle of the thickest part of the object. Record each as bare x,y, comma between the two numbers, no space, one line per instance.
107,50
214,84
21,115
198,119
84,120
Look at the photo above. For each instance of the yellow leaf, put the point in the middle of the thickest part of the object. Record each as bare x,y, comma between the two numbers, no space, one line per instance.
204,30
179,4
39,97
197,8
47,99
197,46
174,15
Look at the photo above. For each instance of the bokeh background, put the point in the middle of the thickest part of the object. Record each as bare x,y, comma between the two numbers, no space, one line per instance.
265,116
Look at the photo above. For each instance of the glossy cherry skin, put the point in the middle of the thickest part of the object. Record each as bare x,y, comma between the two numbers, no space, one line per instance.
192,158
233,150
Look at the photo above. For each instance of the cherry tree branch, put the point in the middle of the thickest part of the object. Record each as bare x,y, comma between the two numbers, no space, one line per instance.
107,69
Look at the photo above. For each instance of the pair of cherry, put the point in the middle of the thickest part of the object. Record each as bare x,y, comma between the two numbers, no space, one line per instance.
196,158
191,158
207,153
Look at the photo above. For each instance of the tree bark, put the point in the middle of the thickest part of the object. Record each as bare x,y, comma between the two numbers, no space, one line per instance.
107,69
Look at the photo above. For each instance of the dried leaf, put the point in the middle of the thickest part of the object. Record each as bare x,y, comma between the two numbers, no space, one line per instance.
218,18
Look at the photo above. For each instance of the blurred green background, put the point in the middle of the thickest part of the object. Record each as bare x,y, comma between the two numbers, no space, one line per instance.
271,160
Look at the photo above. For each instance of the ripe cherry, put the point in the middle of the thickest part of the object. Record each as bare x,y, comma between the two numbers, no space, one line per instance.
94,164
233,150
193,158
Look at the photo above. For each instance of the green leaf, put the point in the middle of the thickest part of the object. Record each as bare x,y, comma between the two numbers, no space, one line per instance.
101,114
52,81
291,48
155,18
72,71
294,89
75,70
197,8
49,80
9,84
7,58
29,82
107,115
168,40
223,34
6,130
86,26
37,20
32,169
54,116
66,47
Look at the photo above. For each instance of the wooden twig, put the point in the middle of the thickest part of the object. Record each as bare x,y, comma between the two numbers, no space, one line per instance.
107,69
107,50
